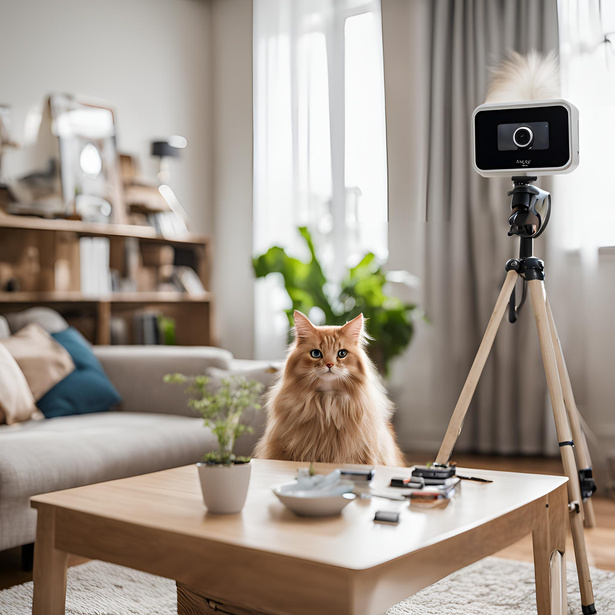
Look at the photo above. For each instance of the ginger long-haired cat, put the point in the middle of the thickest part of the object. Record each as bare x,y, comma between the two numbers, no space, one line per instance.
329,405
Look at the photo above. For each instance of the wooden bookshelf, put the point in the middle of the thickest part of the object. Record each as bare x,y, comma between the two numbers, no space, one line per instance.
42,258
116,297
95,229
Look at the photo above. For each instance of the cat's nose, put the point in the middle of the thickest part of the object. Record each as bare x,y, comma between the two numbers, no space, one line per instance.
329,365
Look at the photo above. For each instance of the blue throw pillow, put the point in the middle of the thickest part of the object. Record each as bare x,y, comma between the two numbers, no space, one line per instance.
87,389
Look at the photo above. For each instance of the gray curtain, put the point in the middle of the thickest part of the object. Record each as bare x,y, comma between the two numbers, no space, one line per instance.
467,245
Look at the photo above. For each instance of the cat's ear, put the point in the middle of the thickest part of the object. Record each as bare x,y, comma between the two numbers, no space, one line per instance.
303,326
354,328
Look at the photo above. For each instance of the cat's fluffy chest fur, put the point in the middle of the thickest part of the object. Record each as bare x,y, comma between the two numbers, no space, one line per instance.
329,405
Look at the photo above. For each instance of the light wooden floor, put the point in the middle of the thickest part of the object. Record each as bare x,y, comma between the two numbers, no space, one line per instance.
600,540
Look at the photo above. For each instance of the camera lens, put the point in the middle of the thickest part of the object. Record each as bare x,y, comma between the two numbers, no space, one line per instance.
523,137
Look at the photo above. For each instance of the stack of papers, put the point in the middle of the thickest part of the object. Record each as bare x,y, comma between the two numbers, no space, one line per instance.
431,492
425,489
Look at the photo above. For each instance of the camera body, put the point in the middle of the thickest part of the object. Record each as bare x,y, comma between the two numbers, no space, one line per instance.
538,137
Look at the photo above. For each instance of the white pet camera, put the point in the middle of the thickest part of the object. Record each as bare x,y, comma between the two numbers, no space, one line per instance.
538,138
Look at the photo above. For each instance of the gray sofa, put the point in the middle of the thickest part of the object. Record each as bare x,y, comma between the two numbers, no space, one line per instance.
152,430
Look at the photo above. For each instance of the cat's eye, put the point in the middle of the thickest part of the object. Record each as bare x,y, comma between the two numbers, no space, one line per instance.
342,353
316,354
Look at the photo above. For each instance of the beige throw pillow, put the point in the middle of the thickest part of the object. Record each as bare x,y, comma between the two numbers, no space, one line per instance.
42,360
16,400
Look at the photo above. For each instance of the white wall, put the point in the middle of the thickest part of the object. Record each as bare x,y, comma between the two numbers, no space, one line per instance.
232,86
150,59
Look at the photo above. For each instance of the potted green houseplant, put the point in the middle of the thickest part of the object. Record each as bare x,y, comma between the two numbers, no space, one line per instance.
390,321
224,477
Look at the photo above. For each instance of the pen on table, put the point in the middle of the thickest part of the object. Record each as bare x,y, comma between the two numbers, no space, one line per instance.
476,478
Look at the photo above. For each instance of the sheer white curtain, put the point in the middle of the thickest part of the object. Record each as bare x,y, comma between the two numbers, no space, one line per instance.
587,52
319,141
582,237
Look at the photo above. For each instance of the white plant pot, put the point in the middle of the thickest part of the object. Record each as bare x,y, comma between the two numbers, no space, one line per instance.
224,487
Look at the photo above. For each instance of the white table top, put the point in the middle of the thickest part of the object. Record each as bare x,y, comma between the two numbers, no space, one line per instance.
171,501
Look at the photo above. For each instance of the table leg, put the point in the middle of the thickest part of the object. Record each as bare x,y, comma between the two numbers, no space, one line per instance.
549,535
50,566
559,595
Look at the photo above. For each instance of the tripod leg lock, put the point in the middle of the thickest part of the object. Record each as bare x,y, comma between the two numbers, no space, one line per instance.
586,480
514,264
530,267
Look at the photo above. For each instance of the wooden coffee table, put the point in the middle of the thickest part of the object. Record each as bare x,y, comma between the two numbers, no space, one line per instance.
267,560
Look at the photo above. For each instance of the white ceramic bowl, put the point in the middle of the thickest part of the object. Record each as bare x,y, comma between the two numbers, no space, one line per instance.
311,504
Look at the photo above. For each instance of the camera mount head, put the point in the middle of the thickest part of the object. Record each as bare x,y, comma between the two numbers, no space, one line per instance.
531,208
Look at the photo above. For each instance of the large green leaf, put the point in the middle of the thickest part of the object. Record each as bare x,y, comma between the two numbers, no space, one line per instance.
304,282
389,320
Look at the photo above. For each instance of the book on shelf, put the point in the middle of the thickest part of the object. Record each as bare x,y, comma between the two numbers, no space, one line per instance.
94,265
132,265
145,324
150,327
117,331
187,281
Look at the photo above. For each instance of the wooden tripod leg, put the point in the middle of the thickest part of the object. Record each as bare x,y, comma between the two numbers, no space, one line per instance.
588,505
580,444
564,436
463,403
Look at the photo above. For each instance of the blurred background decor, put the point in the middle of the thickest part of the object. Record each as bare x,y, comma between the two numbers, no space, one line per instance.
151,201
5,143
76,170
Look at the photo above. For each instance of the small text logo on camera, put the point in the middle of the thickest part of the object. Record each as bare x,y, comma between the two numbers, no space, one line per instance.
523,163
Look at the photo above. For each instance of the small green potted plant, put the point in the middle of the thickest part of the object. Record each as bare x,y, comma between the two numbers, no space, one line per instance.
224,477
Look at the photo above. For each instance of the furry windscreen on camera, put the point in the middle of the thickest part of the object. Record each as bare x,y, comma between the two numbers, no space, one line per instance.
524,126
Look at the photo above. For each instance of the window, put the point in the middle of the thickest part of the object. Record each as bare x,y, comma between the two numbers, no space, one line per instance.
365,143
319,140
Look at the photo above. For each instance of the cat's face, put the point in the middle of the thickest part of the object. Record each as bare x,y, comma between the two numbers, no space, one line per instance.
328,356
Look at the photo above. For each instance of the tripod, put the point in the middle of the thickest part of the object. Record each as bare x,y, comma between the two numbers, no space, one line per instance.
531,209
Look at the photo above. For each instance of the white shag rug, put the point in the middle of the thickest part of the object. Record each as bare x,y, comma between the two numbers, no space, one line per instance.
492,586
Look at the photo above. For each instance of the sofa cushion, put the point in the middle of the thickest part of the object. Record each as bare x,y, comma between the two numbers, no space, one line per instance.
16,401
87,389
43,361
45,317
43,456
5,331
137,372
